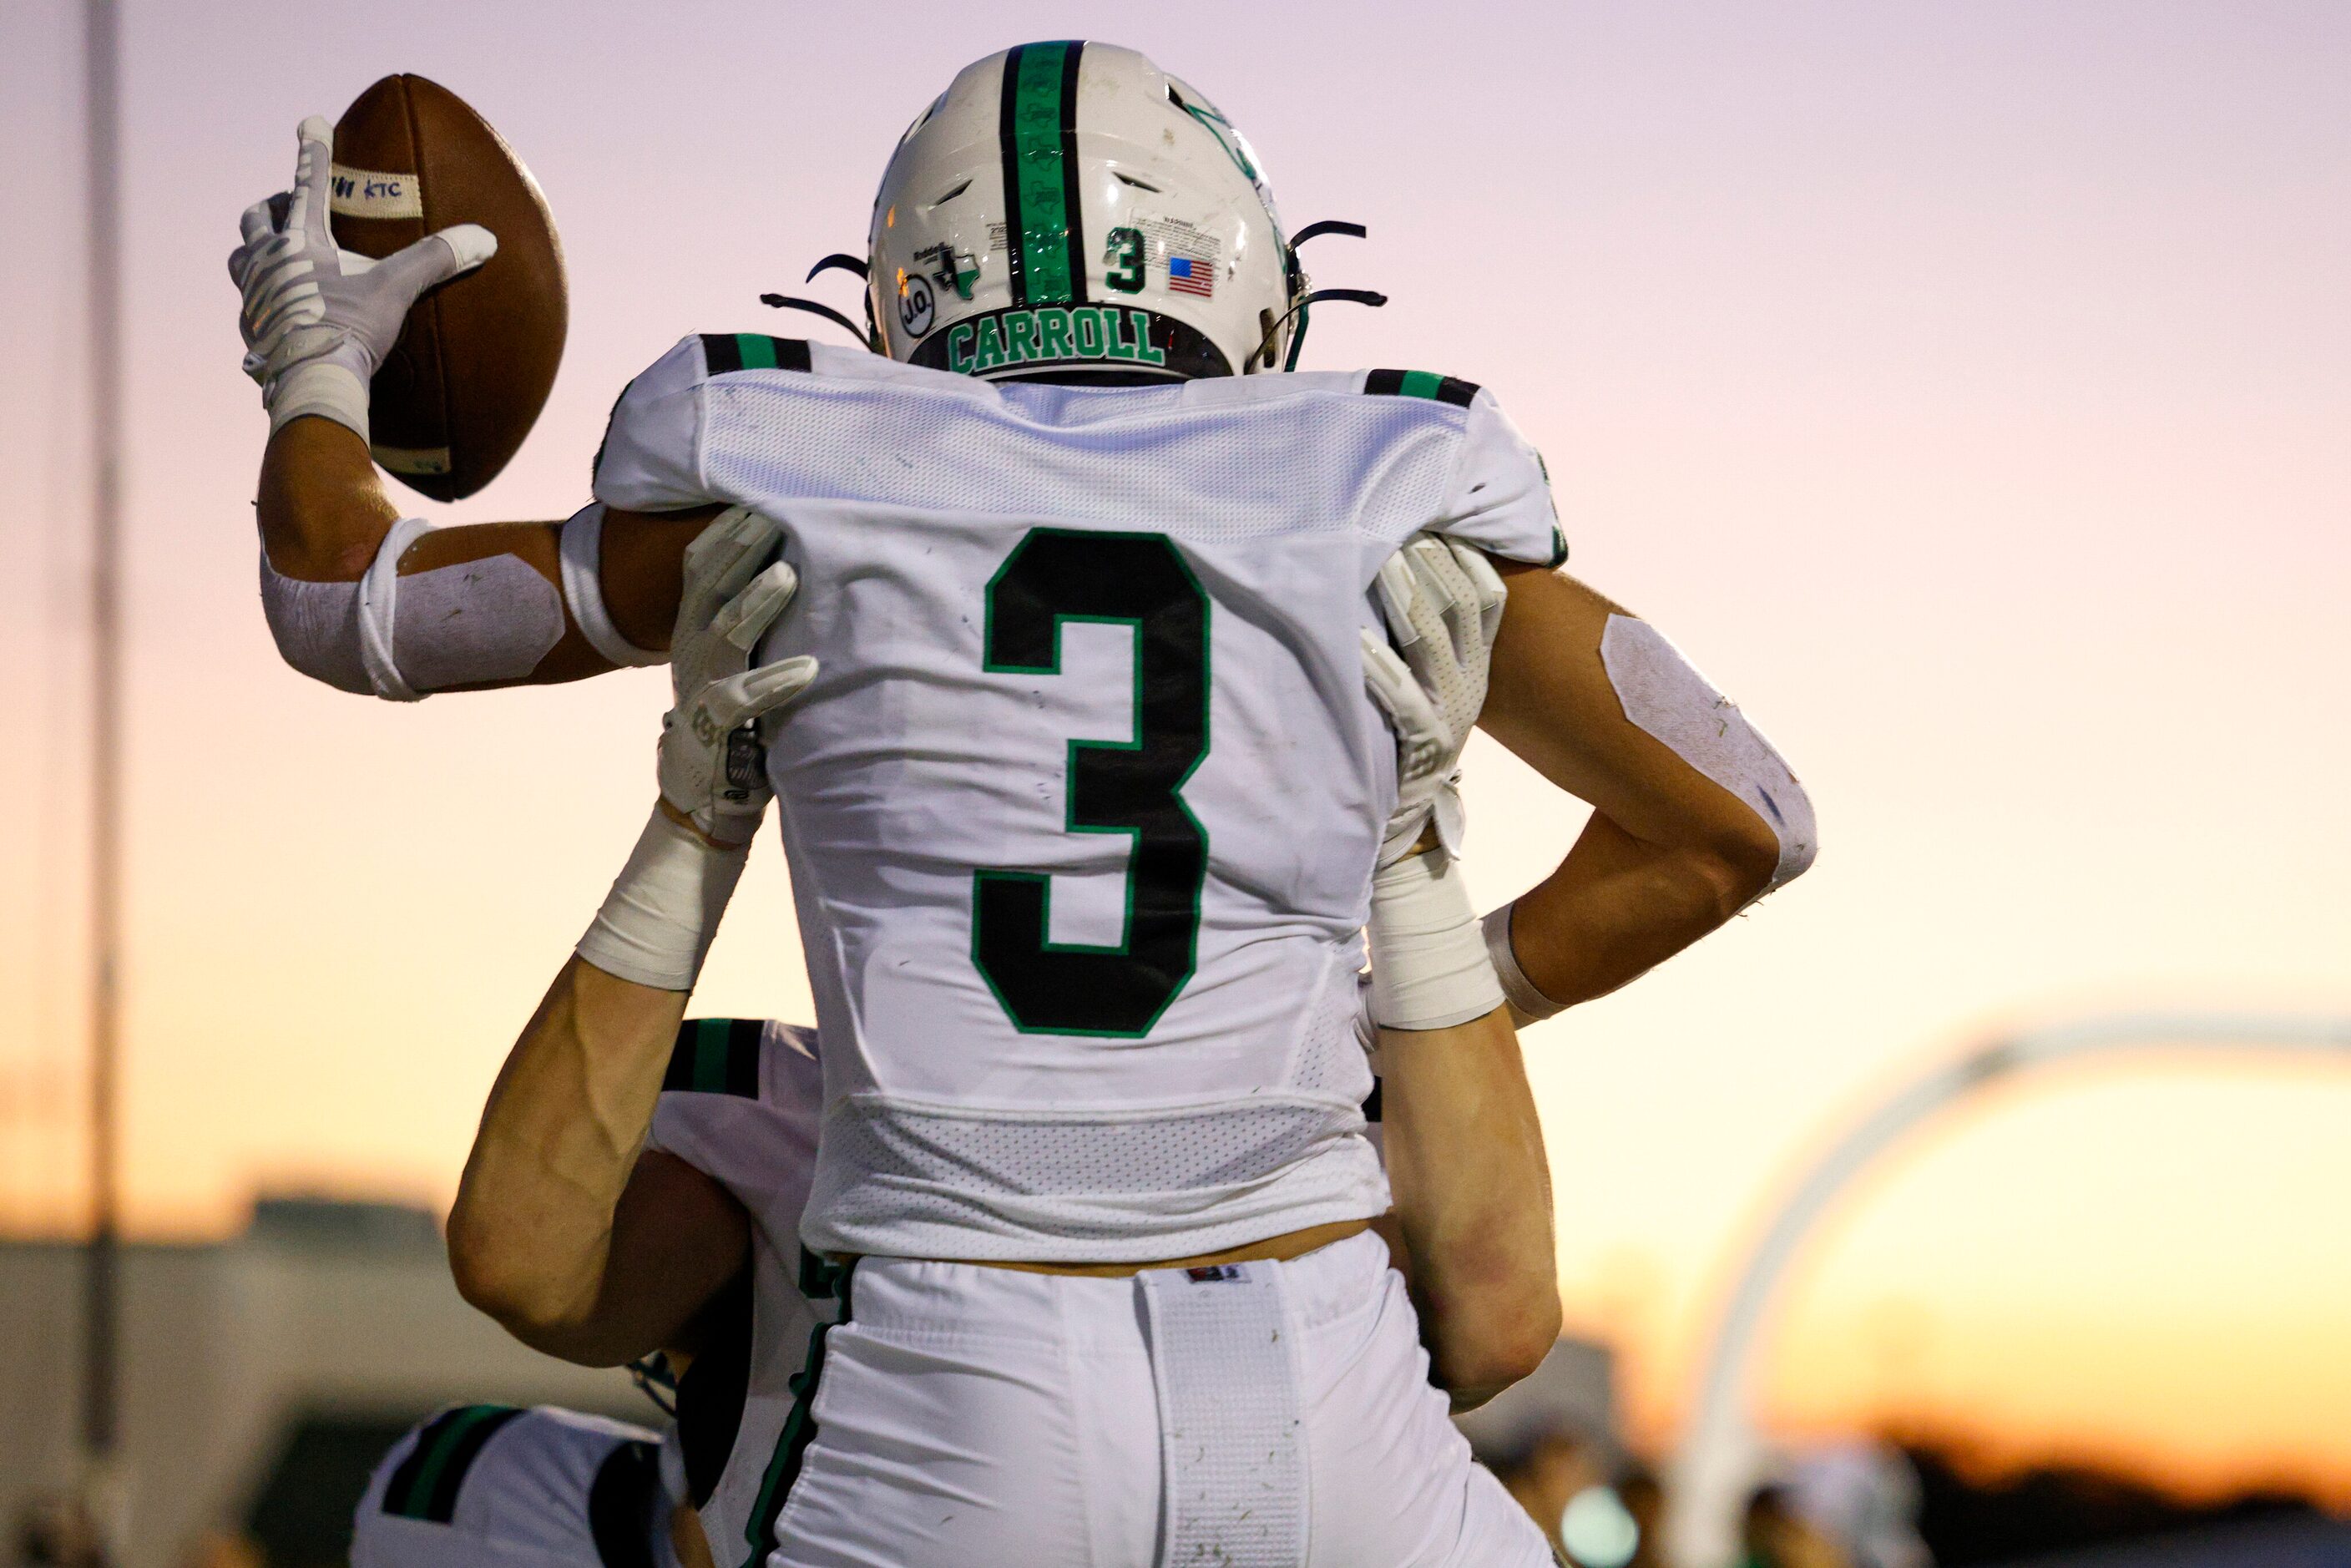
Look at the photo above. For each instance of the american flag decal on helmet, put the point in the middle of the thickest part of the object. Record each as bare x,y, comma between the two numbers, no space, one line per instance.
1189,274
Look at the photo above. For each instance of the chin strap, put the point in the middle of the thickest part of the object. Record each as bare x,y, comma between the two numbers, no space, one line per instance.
793,302
1329,226
1306,296
656,1381
1313,297
844,262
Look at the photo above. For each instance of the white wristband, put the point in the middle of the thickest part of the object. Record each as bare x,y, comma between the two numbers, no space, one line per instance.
1515,985
658,921
379,612
324,387
1429,969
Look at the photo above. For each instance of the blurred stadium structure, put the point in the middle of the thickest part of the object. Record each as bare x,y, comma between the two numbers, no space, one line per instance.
261,1377
1721,1461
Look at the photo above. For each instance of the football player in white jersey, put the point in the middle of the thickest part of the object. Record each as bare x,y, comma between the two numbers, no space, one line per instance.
490,1486
587,1251
482,1485
1121,1117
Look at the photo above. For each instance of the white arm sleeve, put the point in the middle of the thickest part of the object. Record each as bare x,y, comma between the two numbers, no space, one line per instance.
316,627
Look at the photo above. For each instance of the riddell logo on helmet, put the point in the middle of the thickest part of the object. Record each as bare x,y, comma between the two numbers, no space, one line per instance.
1048,333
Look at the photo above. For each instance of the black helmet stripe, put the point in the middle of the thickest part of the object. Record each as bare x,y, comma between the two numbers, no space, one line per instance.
1044,233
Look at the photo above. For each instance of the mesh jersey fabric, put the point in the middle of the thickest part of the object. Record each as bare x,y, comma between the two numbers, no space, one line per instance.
971,1107
526,1495
762,1148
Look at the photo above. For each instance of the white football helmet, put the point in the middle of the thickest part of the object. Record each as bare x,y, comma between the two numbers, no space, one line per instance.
1071,211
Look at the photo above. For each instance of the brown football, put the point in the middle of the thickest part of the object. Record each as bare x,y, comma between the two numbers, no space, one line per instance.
477,357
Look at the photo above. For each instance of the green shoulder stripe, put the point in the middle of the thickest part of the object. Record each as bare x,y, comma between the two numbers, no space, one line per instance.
715,1056
1420,383
425,1485
725,352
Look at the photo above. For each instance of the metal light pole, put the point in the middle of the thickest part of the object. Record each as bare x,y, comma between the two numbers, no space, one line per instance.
1721,1455
100,1425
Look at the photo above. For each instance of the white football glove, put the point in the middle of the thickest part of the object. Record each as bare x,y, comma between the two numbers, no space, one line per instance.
1442,602
713,765
318,319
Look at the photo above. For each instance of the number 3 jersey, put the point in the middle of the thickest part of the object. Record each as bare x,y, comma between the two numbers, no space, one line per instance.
1081,807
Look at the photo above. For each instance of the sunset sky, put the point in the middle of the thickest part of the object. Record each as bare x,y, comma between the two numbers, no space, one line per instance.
1964,386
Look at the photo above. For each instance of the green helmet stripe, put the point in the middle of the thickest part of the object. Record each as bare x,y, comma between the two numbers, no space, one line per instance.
1043,231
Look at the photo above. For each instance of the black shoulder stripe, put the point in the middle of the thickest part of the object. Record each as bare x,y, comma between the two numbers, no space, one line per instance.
1456,392
720,353
1420,383
725,352
425,1485
715,1056
620,1505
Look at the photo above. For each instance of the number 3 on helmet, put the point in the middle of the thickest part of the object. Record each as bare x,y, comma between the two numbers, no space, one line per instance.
1068,211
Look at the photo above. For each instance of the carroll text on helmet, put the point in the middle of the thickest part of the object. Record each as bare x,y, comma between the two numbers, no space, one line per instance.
1051,332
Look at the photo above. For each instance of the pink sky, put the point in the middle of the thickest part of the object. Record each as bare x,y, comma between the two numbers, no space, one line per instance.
1964,387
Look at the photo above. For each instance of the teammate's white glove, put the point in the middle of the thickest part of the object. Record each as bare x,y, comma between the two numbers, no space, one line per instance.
1442,602
712,767
658,921
318,319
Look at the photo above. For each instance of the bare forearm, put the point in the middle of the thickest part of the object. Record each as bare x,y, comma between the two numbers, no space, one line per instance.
322,508
530,1238
1669,855
1616,907
1472,1186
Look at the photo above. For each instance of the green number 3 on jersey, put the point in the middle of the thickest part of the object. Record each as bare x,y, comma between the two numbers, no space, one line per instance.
1140,580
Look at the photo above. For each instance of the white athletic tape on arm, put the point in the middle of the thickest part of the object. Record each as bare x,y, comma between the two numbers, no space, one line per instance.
1429,967
378,610
582,555
1523,993
320,387
1662,693
658,921
488,620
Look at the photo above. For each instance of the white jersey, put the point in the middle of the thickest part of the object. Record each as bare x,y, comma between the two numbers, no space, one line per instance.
490,1486
1083,806
740,1103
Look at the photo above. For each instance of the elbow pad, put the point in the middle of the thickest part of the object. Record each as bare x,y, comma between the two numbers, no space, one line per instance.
1664,695
400,637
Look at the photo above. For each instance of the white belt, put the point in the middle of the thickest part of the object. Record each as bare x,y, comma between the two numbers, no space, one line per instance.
1231,1436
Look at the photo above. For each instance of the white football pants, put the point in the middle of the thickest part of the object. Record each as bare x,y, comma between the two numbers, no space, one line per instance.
1253,1415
